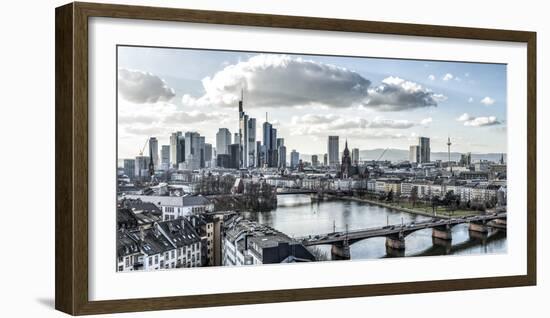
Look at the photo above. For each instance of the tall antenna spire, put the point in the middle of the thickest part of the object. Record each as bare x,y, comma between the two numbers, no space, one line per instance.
449,152
266,117
241,103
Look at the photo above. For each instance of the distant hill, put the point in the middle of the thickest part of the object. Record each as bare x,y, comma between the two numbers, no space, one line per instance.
402,155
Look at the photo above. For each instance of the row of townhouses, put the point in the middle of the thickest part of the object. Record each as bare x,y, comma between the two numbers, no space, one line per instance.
164,245
468,192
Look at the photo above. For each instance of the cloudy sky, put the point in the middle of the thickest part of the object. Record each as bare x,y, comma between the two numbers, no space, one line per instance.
371,102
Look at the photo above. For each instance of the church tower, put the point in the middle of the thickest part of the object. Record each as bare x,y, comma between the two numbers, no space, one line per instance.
346,163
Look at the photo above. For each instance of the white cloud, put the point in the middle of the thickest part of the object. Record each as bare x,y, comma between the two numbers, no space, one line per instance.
431,77
439,97
487,101
481,121
395,94
314,119
160,118
448,77
470,100
464,117
143,87
282,81
285,81
310,123
426,121
391,123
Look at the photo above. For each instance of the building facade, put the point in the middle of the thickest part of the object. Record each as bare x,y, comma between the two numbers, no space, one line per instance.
223,140
333,150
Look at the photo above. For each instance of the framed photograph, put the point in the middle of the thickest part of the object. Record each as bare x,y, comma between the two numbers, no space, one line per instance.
211,158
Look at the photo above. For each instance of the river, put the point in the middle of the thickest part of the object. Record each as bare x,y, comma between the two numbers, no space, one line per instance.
296,215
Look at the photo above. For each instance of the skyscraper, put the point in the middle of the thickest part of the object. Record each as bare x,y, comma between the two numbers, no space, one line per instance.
270,144
130,168
424,145
193,150
282,157
247,137
202,143
154,151
236,138
234,151
466,159
314,160
207,155
267,134
280,142
355,156
223,139
333,150
165,157
259,154
414,154
325,160
251,142
141,167
274,156
294,159
243,137
175,150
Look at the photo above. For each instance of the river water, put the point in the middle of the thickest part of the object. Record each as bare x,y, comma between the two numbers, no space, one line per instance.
296,215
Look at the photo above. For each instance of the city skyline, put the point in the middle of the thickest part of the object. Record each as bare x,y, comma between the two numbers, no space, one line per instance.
376,109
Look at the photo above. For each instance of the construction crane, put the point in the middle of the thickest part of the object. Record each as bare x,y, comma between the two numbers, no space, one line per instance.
382,154
143,149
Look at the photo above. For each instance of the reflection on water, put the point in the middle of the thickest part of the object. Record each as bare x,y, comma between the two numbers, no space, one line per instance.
296,216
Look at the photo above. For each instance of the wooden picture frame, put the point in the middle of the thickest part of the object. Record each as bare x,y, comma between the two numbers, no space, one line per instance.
71,109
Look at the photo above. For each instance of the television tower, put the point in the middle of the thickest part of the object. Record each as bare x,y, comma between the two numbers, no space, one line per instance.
449,153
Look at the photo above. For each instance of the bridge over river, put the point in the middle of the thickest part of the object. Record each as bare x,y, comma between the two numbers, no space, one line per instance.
395,234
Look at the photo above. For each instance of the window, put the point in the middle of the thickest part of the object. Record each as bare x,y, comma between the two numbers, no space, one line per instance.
127,261
150,261
120,268
173,253
156,259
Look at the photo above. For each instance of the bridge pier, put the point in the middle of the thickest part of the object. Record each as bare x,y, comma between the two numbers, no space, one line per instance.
396,241
340,252
442,233
480,236
395,252
445,244
479,227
